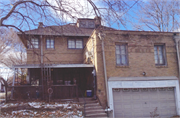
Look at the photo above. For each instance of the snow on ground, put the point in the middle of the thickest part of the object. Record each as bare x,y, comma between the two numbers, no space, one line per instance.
67,110
41,114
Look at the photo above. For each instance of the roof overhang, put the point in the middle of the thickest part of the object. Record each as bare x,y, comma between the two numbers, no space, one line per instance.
54,66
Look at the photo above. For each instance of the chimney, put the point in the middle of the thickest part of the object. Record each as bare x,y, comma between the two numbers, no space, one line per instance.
97,21
40,25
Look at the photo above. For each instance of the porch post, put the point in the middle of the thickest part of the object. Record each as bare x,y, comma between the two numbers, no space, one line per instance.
94,82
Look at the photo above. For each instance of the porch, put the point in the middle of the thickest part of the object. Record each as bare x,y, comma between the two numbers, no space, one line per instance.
67,81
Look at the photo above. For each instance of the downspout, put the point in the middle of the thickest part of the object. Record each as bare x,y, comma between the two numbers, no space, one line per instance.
41,49
102,36
177,38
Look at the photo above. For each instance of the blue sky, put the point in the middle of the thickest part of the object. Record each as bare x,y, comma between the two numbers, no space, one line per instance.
129,16
38,19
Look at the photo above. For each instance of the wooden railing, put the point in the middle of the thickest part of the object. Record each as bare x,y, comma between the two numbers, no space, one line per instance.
59,91
65,91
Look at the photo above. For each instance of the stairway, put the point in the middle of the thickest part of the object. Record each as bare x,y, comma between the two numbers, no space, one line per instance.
93,108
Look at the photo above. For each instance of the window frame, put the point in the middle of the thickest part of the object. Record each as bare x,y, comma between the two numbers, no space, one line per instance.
163,55
74,40
32,45
50,43
126,54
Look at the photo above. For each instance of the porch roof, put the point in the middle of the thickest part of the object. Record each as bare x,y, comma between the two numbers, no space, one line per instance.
53,66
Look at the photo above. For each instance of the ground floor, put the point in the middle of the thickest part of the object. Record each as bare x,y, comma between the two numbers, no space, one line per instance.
128,97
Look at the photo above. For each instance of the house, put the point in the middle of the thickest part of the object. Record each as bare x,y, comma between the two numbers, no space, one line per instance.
133,73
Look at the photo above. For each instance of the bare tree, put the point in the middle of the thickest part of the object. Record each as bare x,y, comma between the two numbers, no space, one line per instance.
159,15
12,51
27,13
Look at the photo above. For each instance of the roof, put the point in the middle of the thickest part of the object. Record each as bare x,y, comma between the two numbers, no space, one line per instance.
64,30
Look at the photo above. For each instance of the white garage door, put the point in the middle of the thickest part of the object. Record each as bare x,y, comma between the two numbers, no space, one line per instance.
143,102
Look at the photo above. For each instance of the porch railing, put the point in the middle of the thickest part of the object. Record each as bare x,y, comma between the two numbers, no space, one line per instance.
65,91
59,91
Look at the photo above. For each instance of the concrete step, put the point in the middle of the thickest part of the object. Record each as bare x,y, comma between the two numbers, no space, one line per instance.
87,102
94,107
87,99
90,111
96,115
92,104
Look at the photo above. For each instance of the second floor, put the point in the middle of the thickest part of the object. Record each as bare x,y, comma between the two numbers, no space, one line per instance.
56,49
127,53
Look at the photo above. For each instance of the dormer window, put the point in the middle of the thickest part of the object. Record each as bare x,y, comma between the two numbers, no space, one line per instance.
86,23
83,24
91,24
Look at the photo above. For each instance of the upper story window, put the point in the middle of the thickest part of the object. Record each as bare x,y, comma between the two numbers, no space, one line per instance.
159,54
49,43
121,55
75,43
33,43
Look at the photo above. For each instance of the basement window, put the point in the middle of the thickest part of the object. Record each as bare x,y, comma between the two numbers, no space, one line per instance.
75,44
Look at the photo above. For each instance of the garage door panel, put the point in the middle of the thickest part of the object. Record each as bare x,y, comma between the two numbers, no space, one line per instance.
137,114
145,106
140,102
167,104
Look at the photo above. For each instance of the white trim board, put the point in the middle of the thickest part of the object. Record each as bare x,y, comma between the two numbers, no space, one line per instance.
54,66
145,84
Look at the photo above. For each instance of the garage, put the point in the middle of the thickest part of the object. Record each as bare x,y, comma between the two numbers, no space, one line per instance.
144,102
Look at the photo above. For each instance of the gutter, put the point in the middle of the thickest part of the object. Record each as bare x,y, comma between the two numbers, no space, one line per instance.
177,39
101,36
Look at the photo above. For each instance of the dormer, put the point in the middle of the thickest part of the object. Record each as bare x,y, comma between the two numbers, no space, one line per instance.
88,23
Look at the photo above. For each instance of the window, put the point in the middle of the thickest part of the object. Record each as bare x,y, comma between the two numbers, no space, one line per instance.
75,43
159,54
121,55
49,43
34,43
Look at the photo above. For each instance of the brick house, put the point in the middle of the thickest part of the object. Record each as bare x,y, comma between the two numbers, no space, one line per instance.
131,72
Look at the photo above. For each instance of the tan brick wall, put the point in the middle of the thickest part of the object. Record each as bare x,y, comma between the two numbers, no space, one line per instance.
98,62
140,55
60,55
88,48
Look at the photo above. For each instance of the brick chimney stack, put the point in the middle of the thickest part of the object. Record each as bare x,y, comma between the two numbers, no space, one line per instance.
40,25
97,21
